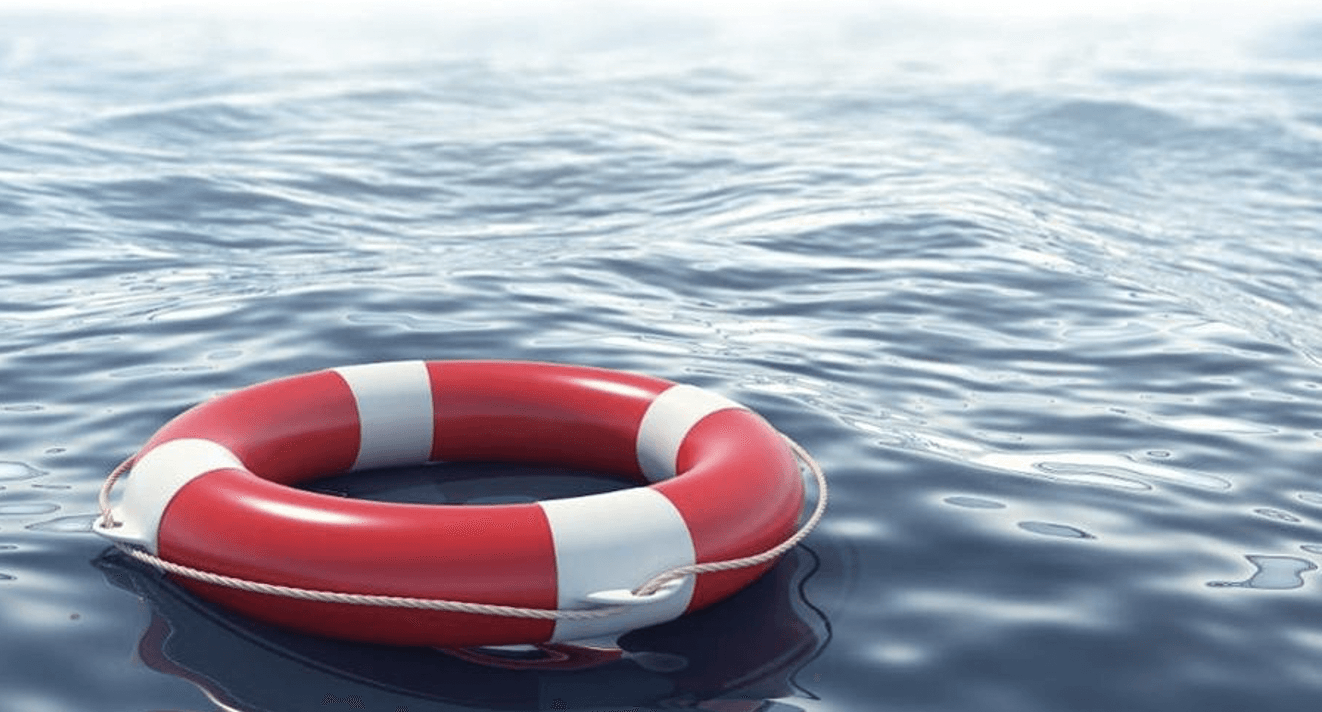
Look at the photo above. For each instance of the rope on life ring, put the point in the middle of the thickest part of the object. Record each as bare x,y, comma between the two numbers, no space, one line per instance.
649,587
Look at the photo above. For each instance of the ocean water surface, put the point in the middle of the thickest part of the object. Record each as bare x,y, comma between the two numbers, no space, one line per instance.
1039,291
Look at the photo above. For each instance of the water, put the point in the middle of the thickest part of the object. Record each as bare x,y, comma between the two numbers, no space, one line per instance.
1039,291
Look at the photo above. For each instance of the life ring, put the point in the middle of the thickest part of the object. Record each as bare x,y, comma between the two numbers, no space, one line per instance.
212,490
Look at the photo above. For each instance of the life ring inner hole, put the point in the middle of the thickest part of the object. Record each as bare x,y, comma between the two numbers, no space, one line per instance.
467,483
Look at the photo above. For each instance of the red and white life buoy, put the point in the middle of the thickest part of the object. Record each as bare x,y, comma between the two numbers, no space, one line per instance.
211,490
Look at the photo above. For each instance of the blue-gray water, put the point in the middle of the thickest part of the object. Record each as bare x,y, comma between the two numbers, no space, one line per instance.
1041,294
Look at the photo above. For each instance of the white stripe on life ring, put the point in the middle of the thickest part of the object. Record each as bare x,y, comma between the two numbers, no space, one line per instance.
394,412
615,540
668,421
156,478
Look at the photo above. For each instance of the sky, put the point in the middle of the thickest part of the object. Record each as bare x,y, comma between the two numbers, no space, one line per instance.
970,8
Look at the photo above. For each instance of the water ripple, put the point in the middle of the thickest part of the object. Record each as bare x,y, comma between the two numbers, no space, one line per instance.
973,502
1057,530
1272,573
73,524
1040,295
1082,468
28,508
13,471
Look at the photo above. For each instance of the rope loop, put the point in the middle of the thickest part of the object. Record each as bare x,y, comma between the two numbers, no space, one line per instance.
648,587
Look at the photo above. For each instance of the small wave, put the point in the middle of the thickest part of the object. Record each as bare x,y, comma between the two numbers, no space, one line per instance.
183,123
1098,125
188,199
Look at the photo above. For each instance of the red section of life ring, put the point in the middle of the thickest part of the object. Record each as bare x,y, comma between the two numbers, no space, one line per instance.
212,490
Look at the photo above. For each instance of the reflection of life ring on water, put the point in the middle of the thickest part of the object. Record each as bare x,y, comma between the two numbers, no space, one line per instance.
753,645
209,495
